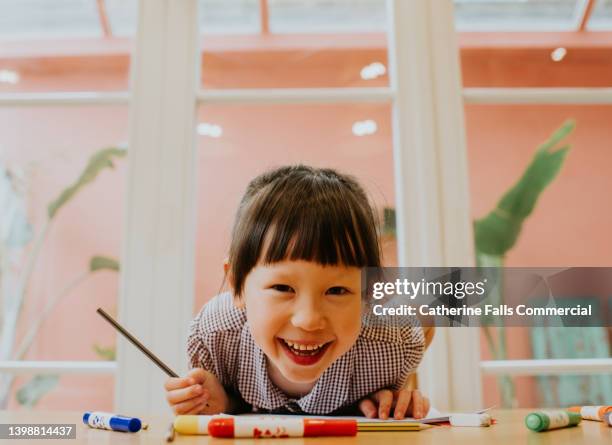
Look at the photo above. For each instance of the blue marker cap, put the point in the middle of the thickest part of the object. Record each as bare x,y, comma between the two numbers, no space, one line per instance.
119,423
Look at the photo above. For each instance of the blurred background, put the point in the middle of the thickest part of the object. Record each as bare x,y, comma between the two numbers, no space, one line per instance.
63,163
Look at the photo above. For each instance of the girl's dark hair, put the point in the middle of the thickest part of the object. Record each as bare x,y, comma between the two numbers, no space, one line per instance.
303,213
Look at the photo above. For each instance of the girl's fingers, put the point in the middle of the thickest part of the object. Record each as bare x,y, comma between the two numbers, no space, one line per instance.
417,404
200,409
197,375
401,405
184,394
384,397
425,406
368,408
177,383
189,405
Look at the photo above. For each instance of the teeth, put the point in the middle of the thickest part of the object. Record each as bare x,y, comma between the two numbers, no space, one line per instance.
301,347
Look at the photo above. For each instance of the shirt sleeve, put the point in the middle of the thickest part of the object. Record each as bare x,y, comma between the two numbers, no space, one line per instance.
214,338
198,353
413,347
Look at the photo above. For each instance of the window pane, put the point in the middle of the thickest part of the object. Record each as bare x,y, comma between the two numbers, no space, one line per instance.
516,15
71,392
568,227
229,16
236,143
323,61
57,226
123,16
353,57
587,66
321,16
601,19
44,19
60,45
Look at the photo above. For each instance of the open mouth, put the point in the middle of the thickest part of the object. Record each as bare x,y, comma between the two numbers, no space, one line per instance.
304,354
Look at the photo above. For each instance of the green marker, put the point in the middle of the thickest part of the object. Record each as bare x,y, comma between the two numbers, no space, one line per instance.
549,420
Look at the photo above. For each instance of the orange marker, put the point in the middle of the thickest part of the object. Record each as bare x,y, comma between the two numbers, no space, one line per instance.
591,412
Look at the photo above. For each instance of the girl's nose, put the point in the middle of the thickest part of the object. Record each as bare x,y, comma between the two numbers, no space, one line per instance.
308,316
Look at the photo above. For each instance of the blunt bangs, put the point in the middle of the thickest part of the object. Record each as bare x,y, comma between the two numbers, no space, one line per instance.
303,213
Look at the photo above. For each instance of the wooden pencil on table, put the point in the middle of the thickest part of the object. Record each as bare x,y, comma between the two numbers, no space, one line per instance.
170,433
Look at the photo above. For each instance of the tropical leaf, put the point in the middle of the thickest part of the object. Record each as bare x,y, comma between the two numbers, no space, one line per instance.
15,229
109,353
389,221
30,393
103,263
497,232
100,160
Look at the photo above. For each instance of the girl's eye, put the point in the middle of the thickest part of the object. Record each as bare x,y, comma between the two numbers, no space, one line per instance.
282,288
338,290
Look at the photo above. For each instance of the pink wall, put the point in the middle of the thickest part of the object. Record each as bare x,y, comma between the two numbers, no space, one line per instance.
569,227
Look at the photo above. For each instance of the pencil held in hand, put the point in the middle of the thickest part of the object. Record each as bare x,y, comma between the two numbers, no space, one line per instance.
137,343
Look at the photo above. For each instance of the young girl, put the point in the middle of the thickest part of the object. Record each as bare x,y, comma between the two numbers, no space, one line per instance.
293,334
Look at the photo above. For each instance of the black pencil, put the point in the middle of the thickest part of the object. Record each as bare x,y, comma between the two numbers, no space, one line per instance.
136,343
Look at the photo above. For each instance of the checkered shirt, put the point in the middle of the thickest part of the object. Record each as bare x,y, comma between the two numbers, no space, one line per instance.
387,350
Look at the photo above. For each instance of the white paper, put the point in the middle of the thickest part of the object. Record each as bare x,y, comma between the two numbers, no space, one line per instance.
433,416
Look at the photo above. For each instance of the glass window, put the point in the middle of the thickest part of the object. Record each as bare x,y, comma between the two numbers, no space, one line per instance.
122,16
325,63
66,230
564,229
324,16
305,57
42,19
61,45
236,143
516,15
601,18
229,16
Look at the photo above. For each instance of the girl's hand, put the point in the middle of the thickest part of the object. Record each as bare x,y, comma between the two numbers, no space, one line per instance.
199,392
403,402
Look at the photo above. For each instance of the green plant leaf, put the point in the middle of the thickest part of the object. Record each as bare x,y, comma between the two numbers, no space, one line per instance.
389,222
103,263
498,231
31,392
100,160
109,353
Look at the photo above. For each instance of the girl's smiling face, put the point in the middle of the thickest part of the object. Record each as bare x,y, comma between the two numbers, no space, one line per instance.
303,315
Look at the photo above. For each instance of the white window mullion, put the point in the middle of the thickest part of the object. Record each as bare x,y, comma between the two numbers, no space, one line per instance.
296,96
538,96
156,301
431,181
59,99
21,367
547,366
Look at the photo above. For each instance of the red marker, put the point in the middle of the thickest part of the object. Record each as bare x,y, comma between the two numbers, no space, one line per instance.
266,427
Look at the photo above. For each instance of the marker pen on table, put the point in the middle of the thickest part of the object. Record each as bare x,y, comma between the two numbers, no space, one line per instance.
110,421
591,412
261,427
192,424
549,420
